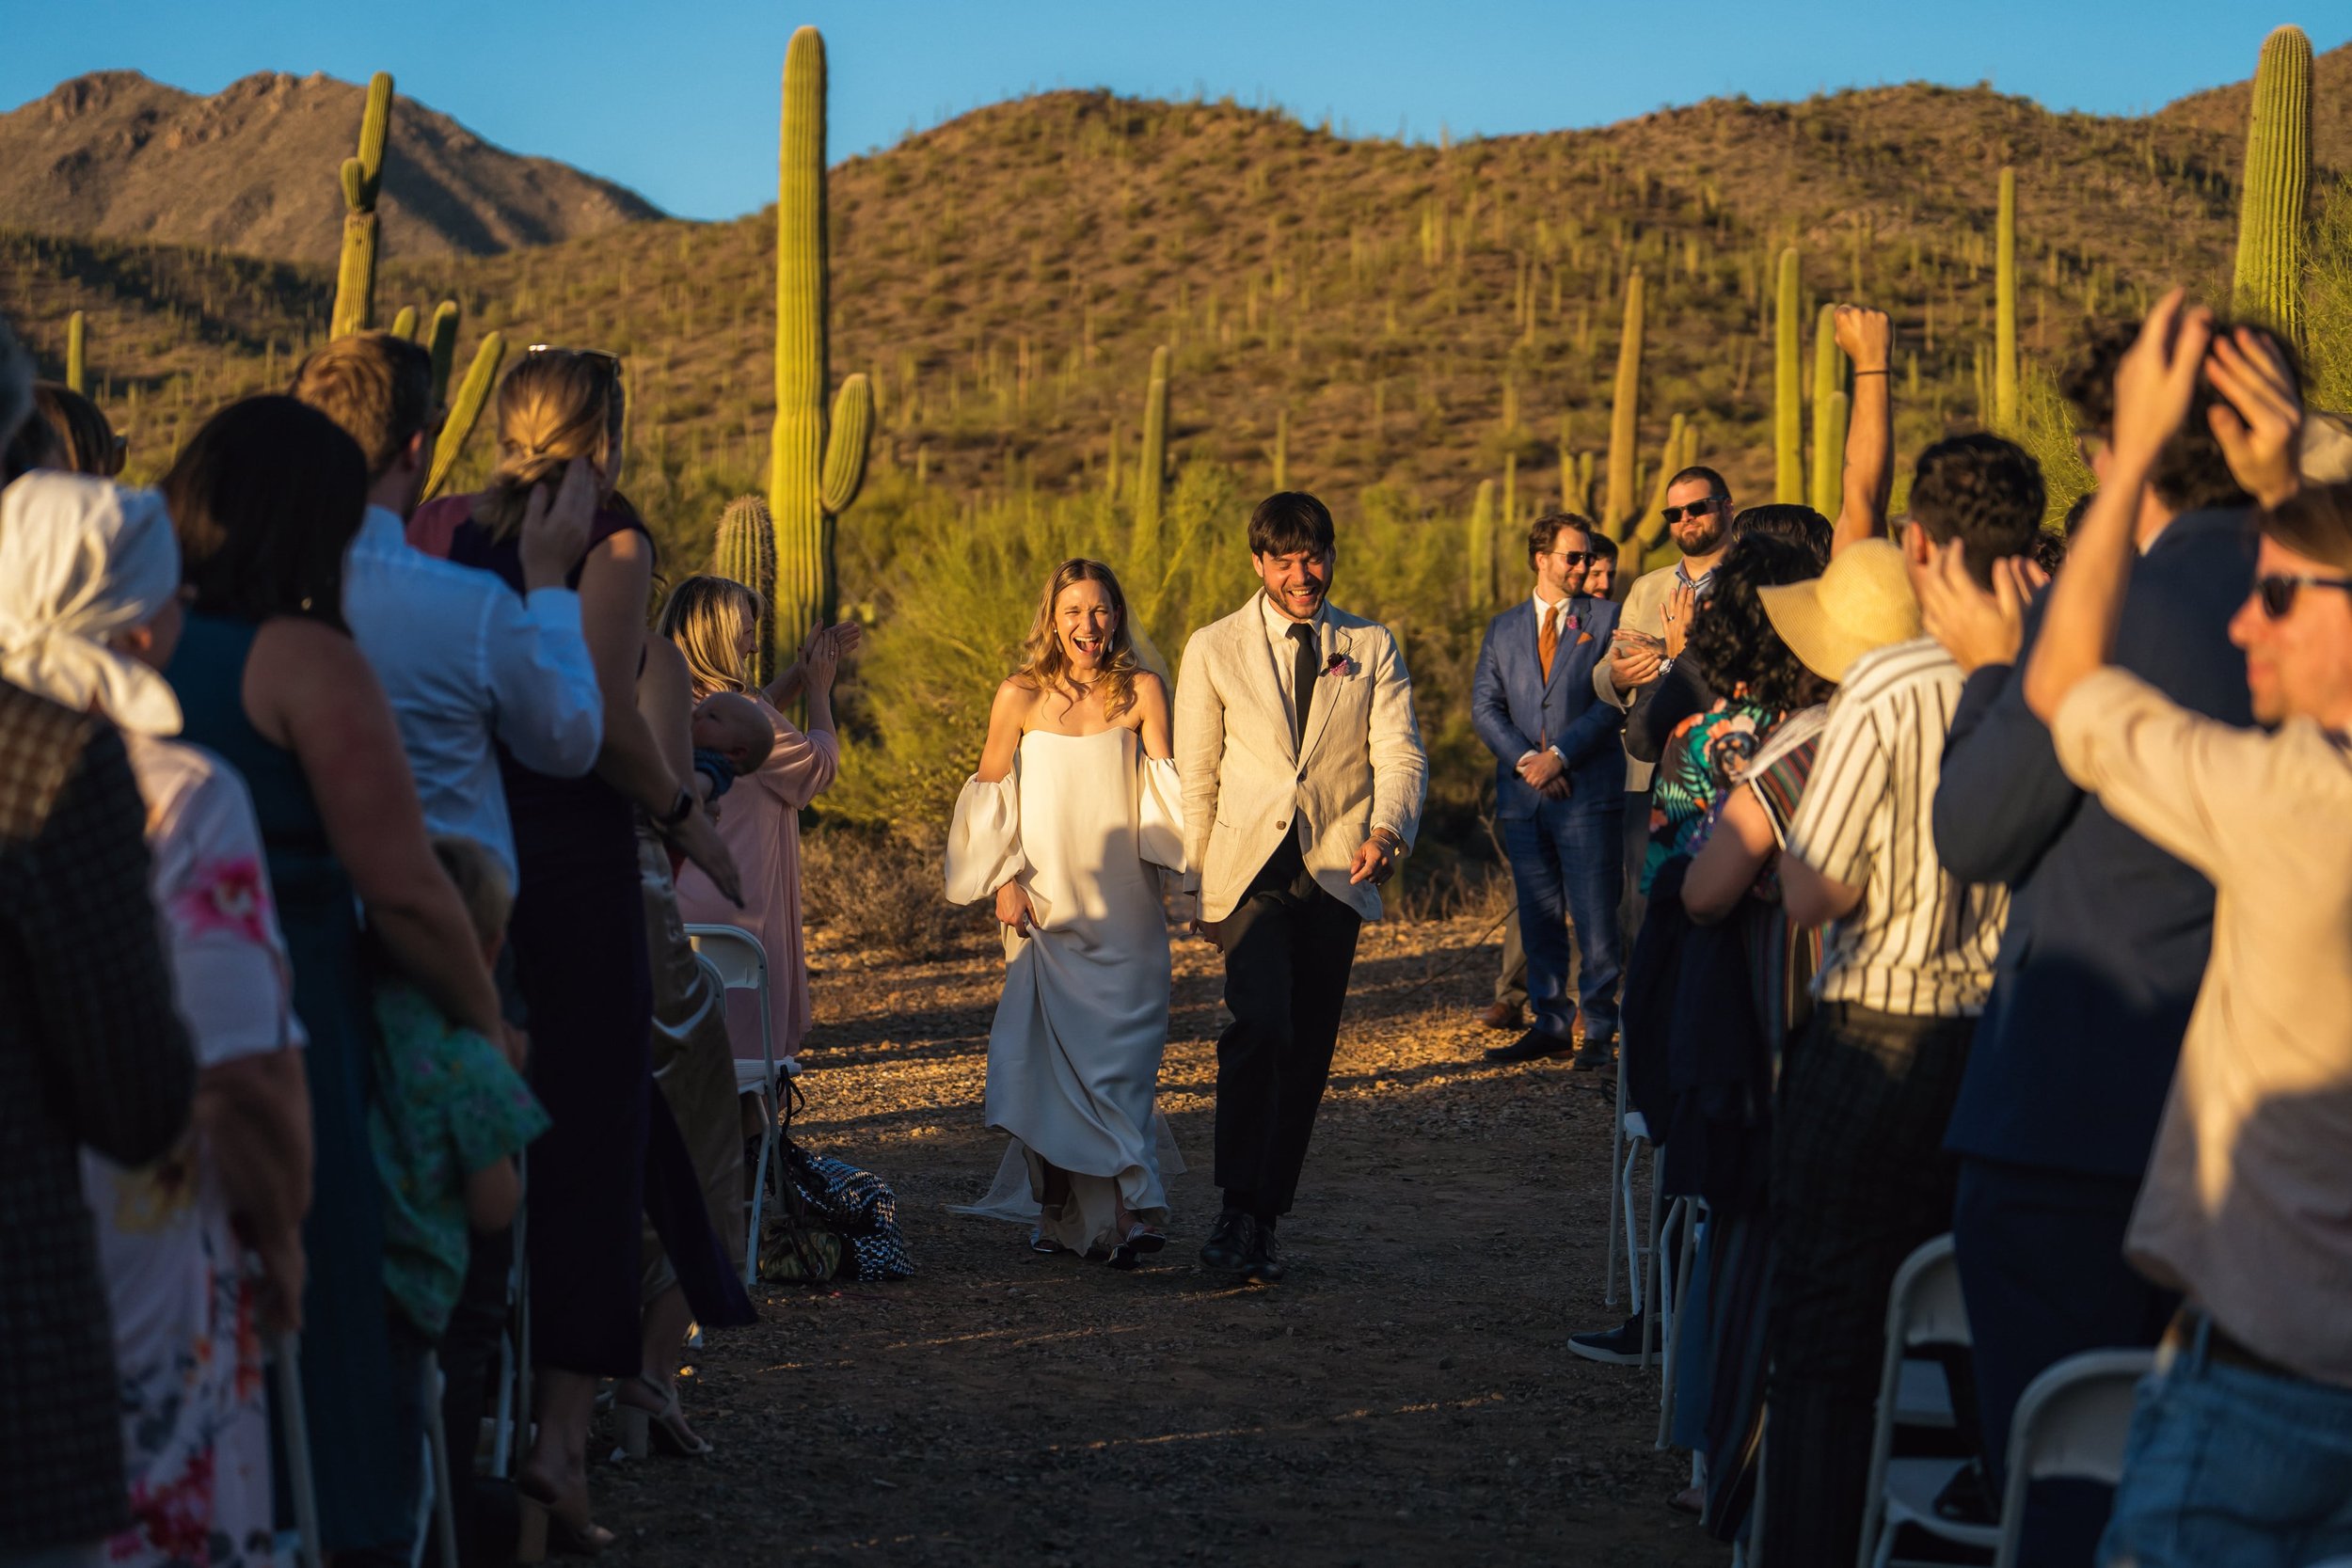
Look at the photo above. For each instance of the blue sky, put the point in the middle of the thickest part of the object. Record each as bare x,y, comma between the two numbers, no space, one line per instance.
679,101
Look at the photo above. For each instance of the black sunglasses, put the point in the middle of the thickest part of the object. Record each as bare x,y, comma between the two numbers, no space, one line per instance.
2278,592
1697,509
1574,558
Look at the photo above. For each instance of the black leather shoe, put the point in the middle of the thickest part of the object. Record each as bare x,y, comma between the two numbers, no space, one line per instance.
1266,1259
1233,1241
1596,1056
1531,1047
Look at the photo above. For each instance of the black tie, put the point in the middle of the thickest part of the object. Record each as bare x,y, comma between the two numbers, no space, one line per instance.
1303,672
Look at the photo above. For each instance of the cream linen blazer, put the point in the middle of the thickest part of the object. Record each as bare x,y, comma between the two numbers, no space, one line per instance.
1247,784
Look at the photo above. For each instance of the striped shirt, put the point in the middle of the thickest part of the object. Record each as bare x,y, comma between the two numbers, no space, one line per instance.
1920,944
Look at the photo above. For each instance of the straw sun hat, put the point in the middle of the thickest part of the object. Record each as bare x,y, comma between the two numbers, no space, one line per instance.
1863,601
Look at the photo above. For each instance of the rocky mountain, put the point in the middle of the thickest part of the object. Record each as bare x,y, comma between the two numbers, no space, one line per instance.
251,169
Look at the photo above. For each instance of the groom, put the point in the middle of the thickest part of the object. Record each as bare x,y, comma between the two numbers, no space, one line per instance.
1303,774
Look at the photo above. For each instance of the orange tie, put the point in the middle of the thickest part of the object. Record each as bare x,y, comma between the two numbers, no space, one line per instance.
1547,641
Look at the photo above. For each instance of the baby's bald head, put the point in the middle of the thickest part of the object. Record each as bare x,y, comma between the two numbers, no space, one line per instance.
731,724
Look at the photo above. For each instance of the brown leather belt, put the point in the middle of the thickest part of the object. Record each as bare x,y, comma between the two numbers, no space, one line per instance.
2180,1336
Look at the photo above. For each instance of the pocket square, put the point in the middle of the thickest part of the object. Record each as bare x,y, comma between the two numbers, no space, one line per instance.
1586,638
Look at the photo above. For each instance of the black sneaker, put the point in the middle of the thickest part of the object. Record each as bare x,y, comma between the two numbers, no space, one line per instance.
1597,1056
1616,1347
1232,1242
1534,1046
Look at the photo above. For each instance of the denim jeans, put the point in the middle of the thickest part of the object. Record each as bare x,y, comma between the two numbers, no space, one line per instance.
1567,865
2227,1464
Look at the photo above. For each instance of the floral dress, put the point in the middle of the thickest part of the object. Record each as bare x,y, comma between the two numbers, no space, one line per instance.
1706,755
188,1347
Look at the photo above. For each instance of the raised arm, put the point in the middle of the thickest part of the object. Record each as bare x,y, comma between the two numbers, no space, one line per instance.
2153,385
1868,339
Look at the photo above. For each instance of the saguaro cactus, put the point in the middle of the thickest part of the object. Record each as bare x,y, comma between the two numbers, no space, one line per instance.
1625,416
1151,466
814,468
1788,413
1481,546
2278,172
2005,307
473,395
404,322
1281,449
442,345
1829,422
77,353
745,552
362,178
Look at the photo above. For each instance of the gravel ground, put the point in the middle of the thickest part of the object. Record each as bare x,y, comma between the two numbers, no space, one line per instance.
1405,1396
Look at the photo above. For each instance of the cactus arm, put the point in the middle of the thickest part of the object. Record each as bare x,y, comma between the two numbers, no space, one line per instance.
473,395
2005,307
1481,546
847,444
404,322
77,353
362,179
1625,415
1829,425
443,346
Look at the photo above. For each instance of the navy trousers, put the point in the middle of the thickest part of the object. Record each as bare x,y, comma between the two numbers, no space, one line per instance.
2041,1255
1568,862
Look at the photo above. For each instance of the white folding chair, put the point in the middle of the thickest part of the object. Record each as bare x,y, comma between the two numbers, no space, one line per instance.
294,1426
2072,1422
1619,1180
1923,1308
737,961
440,1493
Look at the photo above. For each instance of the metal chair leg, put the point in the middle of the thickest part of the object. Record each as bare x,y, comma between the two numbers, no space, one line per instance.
1617,1154
1651,1307
295,1424
444,1489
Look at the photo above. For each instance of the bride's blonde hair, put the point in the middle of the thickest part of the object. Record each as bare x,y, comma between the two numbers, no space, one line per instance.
1043,663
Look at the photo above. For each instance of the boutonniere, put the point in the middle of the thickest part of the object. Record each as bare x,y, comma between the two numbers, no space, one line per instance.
1339,665
1575,621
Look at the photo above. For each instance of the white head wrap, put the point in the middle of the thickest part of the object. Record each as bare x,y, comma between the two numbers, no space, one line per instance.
82,558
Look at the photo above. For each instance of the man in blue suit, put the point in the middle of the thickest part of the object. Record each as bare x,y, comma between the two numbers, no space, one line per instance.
2105,946
1559,789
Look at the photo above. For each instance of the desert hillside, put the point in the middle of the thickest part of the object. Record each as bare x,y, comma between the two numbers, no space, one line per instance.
251,169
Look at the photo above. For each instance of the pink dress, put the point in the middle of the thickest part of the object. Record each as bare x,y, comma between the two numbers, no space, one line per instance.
759,818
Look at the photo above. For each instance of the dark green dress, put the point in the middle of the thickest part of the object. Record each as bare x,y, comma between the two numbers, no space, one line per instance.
346,1363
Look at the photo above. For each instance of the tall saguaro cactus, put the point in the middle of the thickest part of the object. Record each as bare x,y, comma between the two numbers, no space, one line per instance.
441,344
1481,546
2005,307
77,353
1788,392
362,179
815,467
1152,467
1625,416
1829,417
2278,172
745,552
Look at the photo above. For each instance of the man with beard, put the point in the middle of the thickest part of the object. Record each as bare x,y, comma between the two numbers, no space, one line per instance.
1649,636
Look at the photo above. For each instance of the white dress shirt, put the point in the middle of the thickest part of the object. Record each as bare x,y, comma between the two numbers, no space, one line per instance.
464,662
1543,608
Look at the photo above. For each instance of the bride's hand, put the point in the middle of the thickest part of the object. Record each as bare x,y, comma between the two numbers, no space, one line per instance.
1012,908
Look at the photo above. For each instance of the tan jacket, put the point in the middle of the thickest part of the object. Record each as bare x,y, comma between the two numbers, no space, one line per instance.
1245,783
1645,611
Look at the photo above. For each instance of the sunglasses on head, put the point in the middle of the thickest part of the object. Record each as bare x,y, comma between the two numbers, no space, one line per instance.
1697,509
601,356
2277,593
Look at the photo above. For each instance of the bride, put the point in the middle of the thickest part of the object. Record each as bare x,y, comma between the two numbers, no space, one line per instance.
1076,794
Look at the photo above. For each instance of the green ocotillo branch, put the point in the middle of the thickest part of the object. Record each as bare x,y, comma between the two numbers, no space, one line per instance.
2269,285
1788,391
816,463
362,180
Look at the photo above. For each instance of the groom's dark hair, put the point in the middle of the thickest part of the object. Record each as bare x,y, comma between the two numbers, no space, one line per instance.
1289,521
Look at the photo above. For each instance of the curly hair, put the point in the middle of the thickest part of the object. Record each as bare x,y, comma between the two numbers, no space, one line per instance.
2192,474
1985,492
1733,639
1046,667
1797,525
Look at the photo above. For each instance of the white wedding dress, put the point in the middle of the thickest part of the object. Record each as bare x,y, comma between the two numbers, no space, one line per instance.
1073,1058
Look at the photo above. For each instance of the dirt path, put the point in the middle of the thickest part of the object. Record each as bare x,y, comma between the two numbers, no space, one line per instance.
1405,1395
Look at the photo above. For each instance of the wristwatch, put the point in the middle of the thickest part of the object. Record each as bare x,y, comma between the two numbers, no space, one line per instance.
678,813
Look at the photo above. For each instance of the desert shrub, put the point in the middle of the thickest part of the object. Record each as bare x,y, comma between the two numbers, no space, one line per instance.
2046,423
880,892
2327,301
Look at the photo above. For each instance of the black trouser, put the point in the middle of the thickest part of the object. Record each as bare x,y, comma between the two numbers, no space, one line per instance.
1288,950
1859,1180
2040,1254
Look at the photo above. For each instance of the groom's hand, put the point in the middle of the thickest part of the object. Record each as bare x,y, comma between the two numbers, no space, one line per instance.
1213,930
1372,863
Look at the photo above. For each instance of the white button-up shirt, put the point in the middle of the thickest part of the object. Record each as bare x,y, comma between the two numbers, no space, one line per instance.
464,662
1278,635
